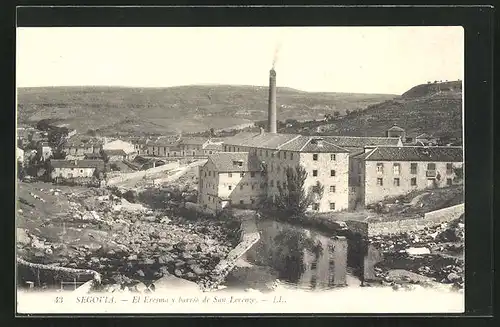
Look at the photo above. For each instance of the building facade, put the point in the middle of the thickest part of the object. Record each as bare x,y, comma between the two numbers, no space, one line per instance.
325,163
230,179
386,172
66,169
78,147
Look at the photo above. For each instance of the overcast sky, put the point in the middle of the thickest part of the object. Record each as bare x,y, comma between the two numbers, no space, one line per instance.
317,59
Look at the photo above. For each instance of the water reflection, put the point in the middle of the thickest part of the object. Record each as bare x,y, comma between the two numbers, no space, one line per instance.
301,257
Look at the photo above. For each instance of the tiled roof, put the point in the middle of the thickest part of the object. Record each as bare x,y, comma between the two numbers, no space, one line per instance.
115,152
423,136
77,164
264,140
295,142
415,153
164,143
79,141
361,141
396,128
214,146
193,140
225,162
312,144
92,155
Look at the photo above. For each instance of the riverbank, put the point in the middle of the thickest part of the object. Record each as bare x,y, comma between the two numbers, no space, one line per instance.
125,242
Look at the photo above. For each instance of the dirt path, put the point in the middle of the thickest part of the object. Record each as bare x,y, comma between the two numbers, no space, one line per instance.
178,172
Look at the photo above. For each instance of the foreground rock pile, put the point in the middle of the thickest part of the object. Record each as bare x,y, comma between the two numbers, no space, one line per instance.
127,243
435,252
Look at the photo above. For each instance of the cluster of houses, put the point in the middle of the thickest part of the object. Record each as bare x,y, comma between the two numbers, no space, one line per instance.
87,156
354,171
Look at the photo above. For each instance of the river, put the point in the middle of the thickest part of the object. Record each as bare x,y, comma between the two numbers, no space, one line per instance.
303,258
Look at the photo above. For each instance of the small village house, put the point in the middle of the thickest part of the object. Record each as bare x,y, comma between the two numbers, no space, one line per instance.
396,131
119,150
67,169
193,146
212,148
426,139
78,146
164,147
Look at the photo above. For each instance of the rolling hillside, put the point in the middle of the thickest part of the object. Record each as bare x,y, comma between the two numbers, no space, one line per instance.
170,110
431,108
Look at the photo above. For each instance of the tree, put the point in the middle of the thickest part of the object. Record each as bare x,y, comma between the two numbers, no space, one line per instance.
347,112
293,199
336,114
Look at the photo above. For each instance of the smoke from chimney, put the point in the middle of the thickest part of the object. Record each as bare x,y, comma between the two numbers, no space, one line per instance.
272,102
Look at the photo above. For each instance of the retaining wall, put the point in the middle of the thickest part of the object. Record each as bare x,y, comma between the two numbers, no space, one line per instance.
400,226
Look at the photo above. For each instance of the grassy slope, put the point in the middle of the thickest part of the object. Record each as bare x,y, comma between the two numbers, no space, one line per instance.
424,108
163,110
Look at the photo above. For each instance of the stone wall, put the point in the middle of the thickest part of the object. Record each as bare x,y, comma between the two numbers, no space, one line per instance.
396,227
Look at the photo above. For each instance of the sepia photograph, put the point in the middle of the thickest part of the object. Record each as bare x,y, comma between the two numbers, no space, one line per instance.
240,169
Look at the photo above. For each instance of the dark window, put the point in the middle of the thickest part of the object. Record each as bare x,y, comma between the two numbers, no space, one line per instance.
332,172
284,155
315,206
291,155
272,182
332,188
252,200
414,181
242,174
315,173
332,206
396,181
252,174
413,168
449,181
333,157
230,187
380,181
315,157
253,186
241,201
230,175
267,153
241,187
380,168
431,166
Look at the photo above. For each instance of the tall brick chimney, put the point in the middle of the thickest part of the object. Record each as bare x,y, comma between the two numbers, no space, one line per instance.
272,102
